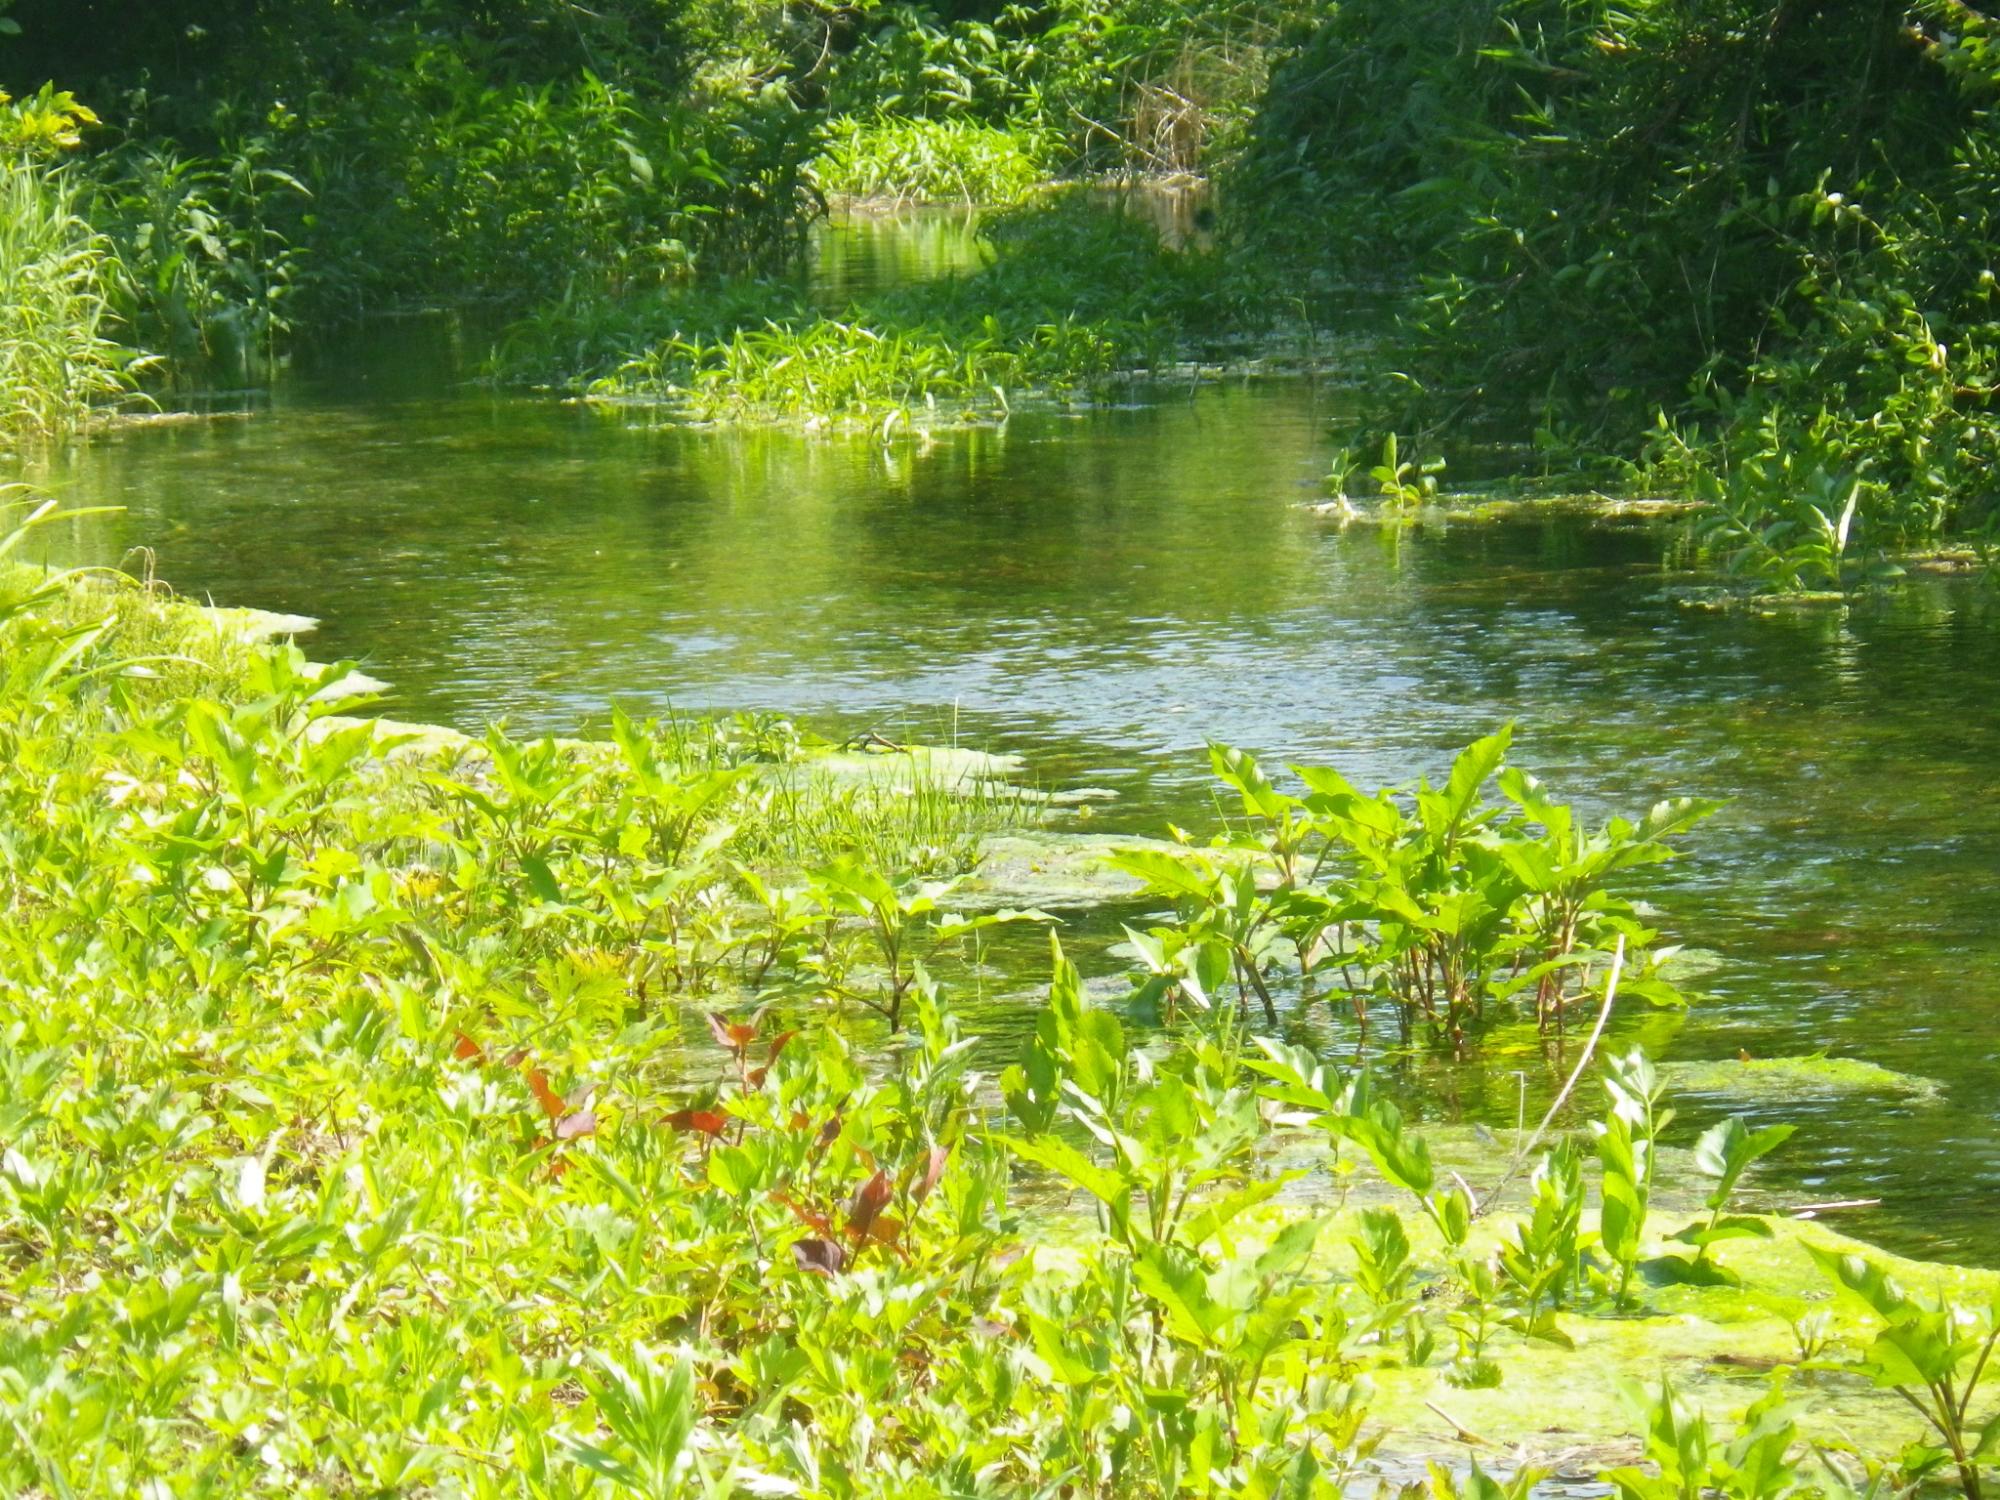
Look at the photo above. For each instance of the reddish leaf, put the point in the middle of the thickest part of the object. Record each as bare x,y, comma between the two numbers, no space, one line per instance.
828,1133
823,1257
777,1046
467,1050
706,1121
569,1127
550,1101
886,1230
801,1120
732,1034
932,1172
755,1077
515,1058
867,1204
812,1218
557,1166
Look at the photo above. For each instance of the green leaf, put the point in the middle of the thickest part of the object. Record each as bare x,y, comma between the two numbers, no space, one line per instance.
1728,1147
1240,770
541,879
856,887
1402,1157
1174,1278
1218,1213
1065,1364
1677,815
1175,875
1862,1281
1674,1270
1289,1248
1989,1439
1916,1351
1729,1227
1059,1156
1470,772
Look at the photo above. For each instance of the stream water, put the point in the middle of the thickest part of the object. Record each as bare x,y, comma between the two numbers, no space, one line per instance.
1103,592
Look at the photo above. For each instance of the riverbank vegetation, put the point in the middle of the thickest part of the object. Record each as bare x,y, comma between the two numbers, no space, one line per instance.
1742,248
1708,249
58,357
405,1112
387,1109
267,168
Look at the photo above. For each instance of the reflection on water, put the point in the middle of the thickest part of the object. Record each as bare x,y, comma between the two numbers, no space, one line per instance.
1104,593
860,253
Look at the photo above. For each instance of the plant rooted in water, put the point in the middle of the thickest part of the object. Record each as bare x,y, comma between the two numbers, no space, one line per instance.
1430,899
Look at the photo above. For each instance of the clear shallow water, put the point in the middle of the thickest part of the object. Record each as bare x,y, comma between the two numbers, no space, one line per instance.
1104,593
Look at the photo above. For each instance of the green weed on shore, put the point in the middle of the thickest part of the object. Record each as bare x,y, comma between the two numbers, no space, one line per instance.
393,1112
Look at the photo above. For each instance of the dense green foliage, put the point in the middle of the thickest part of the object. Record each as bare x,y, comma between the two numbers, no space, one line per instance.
491,1118
1748,243
388,1111
1147,85
320,160
56,356
1739,250
1428,900
268,167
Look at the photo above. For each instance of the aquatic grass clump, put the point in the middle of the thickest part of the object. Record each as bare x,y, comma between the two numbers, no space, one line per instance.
885,158
831,369
57,358
586,335
1431,901
1075,298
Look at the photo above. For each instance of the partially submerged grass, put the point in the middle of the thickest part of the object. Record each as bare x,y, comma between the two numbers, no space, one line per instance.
1719,1345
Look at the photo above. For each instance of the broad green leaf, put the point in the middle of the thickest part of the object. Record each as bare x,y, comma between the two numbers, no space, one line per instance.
1863,1283
1174,1278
